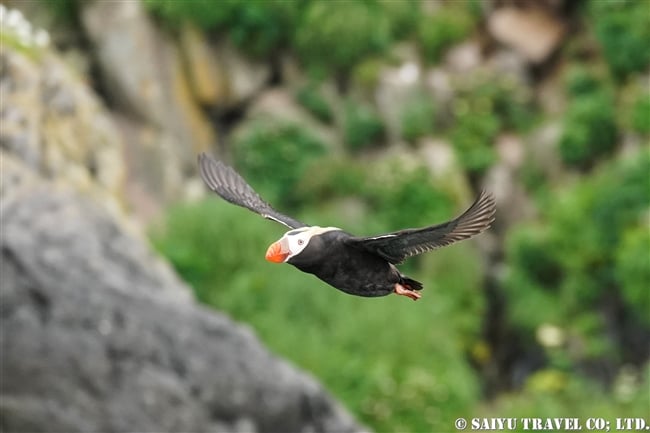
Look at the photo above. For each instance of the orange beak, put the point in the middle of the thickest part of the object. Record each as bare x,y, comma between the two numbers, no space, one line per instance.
277,253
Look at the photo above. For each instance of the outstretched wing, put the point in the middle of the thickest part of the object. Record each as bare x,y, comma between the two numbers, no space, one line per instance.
397,246
225,181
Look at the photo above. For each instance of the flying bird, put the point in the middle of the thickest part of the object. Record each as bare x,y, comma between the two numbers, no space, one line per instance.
361,266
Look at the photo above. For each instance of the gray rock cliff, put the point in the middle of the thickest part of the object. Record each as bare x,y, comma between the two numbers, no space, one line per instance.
99,335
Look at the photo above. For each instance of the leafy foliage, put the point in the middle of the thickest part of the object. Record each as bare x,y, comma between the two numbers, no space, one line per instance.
346,33
275,156
575,286
623,29
362,126
590,129
310,97
66,11
641,114
406,197
440,30
632,269
418,117
414,363
365,74
631,398
402,15
486,104
560,284
257,27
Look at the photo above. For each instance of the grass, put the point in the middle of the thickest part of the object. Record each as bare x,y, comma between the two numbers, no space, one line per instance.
397,364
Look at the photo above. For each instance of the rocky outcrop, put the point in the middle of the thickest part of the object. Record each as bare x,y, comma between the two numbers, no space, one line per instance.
221,77
533,32
277,105
155,107
55,124
99,335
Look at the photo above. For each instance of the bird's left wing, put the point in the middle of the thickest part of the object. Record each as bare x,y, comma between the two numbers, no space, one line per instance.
397,246
226,182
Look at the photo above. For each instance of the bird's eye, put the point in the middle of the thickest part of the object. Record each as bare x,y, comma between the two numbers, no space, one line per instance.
300,241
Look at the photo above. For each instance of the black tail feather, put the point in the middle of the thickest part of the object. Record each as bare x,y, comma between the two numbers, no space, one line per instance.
410,283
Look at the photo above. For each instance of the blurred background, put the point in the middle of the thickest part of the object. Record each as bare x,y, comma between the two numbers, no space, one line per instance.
370,115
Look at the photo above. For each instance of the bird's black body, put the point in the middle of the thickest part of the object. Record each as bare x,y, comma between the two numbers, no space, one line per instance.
361,266
354,271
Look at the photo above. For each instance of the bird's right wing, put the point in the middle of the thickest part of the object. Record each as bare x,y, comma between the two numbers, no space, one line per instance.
226,182
397,246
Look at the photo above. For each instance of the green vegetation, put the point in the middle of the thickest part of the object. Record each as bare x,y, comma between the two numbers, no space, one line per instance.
279,151
418,117
260,28
8,39
553,282
335,38
408,370
589,128
403,16
623,30
573,290
362,126
487,104
365,74
632,270
641,114
310,97
563,395
65,11
438,31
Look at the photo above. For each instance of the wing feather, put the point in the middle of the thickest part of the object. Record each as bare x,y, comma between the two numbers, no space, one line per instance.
397,246
230,186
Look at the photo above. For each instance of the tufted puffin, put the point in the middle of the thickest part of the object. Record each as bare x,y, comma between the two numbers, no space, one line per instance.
361,266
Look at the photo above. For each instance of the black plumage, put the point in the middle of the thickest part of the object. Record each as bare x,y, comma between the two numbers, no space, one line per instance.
231,187
362,266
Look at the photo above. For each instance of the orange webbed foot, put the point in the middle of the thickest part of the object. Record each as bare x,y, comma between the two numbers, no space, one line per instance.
401,290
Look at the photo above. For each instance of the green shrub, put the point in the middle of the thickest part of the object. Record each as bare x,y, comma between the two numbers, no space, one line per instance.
581,257
310,97
633,269
554,393
66,11
438,31
582,81
362,126
402,15
418,117
485,105
331,178
366,73
406,197
198,240
408,358
501,96
641,114
274,156
473,136
589,130
396,196
258,27
623,29
336,38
